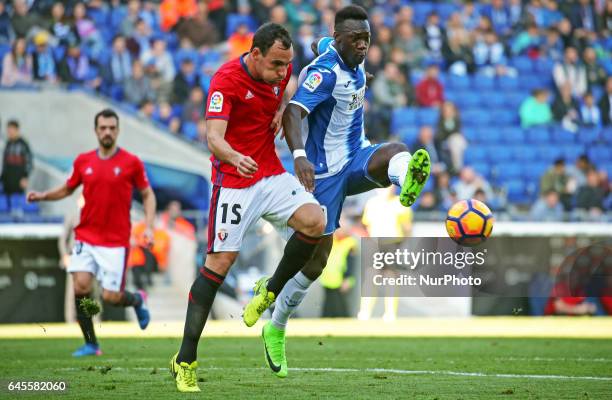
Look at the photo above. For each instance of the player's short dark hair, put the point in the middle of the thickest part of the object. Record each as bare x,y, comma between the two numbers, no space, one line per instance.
13,122
268,34
106,113
350,12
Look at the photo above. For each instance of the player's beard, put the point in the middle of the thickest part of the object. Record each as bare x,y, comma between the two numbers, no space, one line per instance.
107,142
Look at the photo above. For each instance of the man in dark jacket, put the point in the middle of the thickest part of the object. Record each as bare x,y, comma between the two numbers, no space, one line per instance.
17,161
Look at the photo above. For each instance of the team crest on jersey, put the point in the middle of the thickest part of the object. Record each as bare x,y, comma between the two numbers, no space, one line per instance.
216,102
222,235
313,81
276,91
117,171
88,171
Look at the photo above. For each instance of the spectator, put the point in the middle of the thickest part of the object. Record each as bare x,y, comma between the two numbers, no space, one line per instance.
551,15
375,62
88,33
240,41
590,197
61,28
140,41
552,45
577,173
262,9
128,24
517,13
161,61
557,179
171,11
146,109
427,202
589,112
527,42
606,19
42,59
278,15
449,139
173,220
430,92
584,18
6,30
119,67
499,16
547,208
302,47
566,109
76,69
165,116
390,89
595,73
535,109
193,110
445,196
469,182
404,14
300,12
425,141
23,21
570,71
17,161
199,29
470,16
435,36
138,88
17,65
455,27
184,81
458,54
605,102
489,56
411,44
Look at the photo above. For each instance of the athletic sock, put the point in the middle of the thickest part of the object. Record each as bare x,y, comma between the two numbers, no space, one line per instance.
289,299
129,299
398,166
201,297
85,321
297,252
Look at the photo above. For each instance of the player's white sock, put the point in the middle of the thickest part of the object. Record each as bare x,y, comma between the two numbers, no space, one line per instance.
289,299
398,166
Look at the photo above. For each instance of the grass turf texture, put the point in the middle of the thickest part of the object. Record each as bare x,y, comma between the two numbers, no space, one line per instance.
234,368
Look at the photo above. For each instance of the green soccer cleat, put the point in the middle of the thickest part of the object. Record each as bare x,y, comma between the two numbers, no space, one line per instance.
185,375
274,348
262,299
416,176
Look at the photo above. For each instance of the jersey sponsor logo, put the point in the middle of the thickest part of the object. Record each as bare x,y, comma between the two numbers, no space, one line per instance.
216,102
313,81
222,235
88,171
346,85
357,100
249,95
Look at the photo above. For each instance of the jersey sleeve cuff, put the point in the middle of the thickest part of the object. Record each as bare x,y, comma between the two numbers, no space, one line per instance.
297,103
217,117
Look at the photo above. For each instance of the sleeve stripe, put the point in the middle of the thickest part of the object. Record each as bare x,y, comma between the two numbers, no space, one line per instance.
297,103
217,117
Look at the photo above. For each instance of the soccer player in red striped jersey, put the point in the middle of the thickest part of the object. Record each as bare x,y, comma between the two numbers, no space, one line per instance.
108,175
245,104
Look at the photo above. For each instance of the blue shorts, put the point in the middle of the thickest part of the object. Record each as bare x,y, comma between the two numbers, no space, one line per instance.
353,179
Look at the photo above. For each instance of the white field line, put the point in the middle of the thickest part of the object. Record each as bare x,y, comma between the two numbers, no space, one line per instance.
382,370
555,359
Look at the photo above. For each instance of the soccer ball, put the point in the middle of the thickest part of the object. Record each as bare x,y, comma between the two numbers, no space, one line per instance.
469,222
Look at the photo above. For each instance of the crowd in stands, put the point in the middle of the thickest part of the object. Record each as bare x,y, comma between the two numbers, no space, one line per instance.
156,59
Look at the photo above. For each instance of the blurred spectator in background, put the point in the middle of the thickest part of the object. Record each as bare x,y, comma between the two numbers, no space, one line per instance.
566,109
435,36
16,162
590,114
552,45
171,11
261,10
375,62
489,56
6,30
470,16
42,59
429,91
457,53
17,65
469,182
146,109
535,109
595,74
445,196
337,277
427,202
527,42
410,43
590,197
303,53
128,24
547,208
278,15
425,141
577,173
184,81
299,12
138,88
450,142
518,14
119,67
570,71
23,21
193,109
87,30
165,116
172,220
556,179
499,15
605,102
159,57
75,68
583,17
62,28
198,29
390,90
240,41
139,42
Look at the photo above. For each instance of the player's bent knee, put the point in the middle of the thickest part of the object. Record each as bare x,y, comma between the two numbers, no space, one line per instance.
220,263
311,220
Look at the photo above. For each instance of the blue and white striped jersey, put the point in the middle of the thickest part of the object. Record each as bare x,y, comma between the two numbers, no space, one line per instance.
333,95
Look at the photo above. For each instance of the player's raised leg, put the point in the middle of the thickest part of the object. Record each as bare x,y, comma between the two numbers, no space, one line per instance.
202,294
392,163
82,290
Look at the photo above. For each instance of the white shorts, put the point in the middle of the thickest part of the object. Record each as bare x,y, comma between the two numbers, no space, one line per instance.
107,264
234,211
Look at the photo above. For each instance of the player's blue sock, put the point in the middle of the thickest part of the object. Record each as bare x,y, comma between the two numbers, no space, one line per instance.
201,297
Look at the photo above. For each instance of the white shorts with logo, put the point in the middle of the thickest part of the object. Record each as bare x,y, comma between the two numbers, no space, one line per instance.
107,264
234,211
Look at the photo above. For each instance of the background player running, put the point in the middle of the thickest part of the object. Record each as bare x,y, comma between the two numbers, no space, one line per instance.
243,115
336,160
108,175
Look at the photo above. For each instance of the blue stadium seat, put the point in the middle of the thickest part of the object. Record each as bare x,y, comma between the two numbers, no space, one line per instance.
524,65
468,99
544,65
459,82
4,207
516,191
504,117
482,168
534,171
492,99
476,117
548,153
402,117
507,83
514,99
572,152
531,82
190,130
478,154
488,135
499,153
587,135
606,134
408,134
235,20
480,82
427,116
600,154
538,135
513,135
508,171
524,153
562,136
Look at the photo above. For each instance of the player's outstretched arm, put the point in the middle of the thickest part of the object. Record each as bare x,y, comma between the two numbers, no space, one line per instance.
150,204
51,195
292,122
215,133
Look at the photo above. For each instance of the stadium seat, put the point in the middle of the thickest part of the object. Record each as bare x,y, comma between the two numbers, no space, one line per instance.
488,135
534,171
409,134
600,154
524,65
562,136
508,171
504,117
235,20
571,152
190,130
538,135
513,135
467,99
402,117
507,83
587,135
4,207
459,83
499,153
606,135
471,134
548,153
427,116
482,169
524,153
531,82
516,191
476,117
481,82
478,154
544,66
514,99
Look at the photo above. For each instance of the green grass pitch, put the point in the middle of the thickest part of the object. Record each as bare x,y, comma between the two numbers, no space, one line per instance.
334,368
